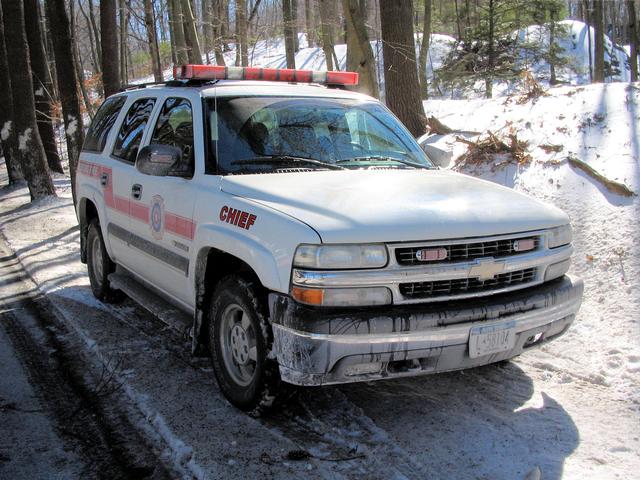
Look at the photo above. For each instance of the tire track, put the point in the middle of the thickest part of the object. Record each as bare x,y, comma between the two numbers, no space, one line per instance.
110,446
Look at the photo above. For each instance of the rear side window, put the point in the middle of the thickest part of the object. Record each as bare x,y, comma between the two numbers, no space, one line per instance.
175,127
133,125
101,126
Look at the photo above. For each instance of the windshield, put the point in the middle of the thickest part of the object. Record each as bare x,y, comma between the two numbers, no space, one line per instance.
263,134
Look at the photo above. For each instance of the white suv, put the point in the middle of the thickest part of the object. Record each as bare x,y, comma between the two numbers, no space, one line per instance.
298,233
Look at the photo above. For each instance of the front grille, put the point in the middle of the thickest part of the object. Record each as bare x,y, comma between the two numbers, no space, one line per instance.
462,252
447,288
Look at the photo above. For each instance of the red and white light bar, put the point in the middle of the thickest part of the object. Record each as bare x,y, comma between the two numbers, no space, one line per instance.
215,72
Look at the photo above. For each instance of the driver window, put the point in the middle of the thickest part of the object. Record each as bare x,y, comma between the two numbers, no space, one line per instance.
175,127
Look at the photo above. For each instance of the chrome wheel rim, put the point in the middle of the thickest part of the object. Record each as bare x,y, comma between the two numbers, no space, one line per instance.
96,260
238,343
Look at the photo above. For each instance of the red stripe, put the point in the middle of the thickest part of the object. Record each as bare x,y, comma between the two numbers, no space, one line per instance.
122,204
139,211
178,225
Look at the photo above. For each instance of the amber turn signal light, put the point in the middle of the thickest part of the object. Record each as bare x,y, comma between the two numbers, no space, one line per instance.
311,296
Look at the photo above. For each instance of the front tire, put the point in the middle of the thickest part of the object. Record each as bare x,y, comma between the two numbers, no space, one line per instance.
239,342
100,266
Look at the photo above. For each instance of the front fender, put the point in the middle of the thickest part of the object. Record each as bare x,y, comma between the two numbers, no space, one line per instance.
257,256
267,248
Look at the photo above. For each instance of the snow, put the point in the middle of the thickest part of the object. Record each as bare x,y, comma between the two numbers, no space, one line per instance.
31,447
72,126
23,139
6,130
569,409
595,123
599,125
573,40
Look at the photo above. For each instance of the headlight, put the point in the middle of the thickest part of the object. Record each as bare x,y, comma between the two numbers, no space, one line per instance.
559,236
333,257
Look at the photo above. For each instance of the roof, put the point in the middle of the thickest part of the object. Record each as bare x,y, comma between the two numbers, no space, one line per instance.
260,87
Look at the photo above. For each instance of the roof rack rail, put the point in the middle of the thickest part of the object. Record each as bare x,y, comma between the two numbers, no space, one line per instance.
169,83
133,86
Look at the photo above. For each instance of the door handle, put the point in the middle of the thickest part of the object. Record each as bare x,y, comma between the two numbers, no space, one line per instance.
104,179
136,191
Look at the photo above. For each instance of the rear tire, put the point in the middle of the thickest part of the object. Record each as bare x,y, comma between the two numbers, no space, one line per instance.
100,266
240,340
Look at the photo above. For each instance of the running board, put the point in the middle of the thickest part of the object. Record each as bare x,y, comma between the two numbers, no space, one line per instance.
151,301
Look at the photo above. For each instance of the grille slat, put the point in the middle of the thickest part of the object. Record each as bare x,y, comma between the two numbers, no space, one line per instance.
466,285
462,252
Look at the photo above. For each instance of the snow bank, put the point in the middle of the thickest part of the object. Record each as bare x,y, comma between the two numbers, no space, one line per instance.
598,124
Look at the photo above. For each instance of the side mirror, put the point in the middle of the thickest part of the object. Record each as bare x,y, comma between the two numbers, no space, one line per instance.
160,161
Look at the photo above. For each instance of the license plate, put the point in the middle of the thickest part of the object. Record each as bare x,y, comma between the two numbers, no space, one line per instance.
485,340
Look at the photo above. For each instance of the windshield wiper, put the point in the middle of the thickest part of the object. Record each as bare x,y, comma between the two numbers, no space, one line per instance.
380,158
287,159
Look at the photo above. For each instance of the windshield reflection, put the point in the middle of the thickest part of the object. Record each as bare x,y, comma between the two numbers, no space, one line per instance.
270,133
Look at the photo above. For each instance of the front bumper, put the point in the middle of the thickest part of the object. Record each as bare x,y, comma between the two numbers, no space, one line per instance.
319,346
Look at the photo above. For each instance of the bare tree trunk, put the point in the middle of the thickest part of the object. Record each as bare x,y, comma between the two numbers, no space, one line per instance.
191,33
62,49
588,21
95,63
41,84
172,32
8,138
326,27
553,13
424,50
289,41
78,62
598,26
309,19
218,37
33,160
182,51
458,28
488,81
242,42
123,16
161,22
96,32
633,39
109,42
152,36
359,53
400,69
294,24
80,74
224,24
207,27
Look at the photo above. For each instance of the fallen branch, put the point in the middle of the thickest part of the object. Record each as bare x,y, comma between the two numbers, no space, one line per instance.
435,126
486,148
551,148
532,90
611,185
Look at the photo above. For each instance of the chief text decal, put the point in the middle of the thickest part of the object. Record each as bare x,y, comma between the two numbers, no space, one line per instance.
237,217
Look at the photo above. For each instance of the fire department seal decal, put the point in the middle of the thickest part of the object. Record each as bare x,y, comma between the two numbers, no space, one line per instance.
156,217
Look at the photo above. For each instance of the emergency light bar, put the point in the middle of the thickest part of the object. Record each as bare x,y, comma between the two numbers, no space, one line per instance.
215,72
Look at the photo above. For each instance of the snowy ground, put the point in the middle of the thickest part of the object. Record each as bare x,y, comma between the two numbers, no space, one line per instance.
570,410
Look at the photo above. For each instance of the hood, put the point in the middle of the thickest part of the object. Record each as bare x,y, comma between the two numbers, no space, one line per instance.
355,206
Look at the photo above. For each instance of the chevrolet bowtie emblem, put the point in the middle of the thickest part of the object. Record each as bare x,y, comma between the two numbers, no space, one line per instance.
486,269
